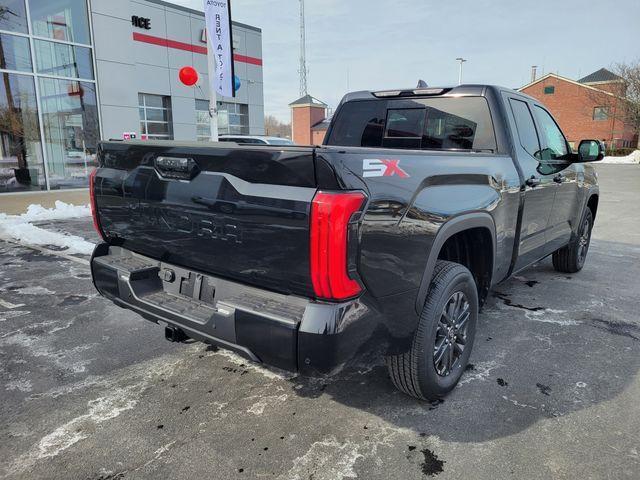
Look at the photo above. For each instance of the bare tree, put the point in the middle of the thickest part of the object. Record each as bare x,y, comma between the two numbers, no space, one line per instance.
275,128
630,75
622,100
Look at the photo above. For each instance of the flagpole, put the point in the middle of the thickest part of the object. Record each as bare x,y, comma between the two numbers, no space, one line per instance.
213,97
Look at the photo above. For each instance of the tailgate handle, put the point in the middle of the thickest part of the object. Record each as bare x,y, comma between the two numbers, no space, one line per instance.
177,167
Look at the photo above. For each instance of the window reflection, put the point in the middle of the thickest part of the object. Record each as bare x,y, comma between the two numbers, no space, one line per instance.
63,60
13,16
15,53
65,20
21,165
71,132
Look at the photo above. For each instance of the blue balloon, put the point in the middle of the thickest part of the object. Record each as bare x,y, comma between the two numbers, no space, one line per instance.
236,83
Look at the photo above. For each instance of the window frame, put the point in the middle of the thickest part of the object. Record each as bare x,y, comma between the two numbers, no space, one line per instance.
535,125
144,123
549,90
30,35
604,109
542,137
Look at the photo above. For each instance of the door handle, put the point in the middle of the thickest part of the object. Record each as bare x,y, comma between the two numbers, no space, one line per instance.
559,178
532,181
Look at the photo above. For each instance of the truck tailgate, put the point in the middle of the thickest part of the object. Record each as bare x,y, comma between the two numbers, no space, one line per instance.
235,212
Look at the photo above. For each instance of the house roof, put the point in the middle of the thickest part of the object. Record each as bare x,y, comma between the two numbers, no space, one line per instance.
322,124
307,100
548,75
599,76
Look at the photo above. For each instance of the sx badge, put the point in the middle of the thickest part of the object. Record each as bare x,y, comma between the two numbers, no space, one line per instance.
382,167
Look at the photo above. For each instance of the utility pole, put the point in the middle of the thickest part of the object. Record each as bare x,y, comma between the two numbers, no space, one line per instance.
303,53
461,60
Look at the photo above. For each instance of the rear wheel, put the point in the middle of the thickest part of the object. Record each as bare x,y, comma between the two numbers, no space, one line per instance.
442,343
571,258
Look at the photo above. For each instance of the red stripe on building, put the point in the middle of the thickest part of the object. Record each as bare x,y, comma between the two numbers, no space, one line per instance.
244,59
165,42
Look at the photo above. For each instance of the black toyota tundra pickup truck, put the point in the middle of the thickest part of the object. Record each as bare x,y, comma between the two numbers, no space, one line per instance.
390,235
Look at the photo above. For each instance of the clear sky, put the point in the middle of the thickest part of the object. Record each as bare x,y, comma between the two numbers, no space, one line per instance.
375,44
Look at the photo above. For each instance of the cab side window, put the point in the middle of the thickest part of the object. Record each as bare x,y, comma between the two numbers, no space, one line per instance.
555,147
526,127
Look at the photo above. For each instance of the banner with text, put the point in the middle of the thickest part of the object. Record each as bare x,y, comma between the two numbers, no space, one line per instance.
218,20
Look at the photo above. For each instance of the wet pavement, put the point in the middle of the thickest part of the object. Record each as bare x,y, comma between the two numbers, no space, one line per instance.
92,391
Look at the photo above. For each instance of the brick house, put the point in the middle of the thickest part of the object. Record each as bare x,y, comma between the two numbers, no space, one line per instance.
588,108
309,121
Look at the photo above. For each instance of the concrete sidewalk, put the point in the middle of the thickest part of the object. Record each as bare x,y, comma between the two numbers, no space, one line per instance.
17,203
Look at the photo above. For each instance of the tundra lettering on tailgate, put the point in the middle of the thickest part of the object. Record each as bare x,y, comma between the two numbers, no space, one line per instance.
382,167
209,226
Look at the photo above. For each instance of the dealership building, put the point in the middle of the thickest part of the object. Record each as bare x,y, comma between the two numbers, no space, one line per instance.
78,71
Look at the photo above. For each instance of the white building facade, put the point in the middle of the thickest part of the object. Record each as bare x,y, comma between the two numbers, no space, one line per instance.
77,71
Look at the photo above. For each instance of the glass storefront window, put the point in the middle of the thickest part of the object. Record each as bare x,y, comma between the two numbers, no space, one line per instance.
63,60
65,20
21,164
203,121
13,16
71,132
15,53
155,117
233,118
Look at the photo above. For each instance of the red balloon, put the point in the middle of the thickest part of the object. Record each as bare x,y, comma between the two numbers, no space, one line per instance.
188,76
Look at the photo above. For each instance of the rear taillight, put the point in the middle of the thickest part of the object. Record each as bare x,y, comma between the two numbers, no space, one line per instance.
333,217
94,205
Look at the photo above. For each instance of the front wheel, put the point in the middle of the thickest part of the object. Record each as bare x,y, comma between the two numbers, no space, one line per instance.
442,343
571,258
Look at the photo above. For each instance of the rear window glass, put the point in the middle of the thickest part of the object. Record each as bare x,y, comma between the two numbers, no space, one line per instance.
442,123
405,123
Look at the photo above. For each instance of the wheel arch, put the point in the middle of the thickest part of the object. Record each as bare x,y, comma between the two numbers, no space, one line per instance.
458,225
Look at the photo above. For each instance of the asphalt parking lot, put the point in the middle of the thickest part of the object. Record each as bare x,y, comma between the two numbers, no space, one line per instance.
91,391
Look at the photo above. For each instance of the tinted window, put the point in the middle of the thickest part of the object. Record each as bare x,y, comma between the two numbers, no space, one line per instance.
555,143
438,123
359,124
526,127
405,123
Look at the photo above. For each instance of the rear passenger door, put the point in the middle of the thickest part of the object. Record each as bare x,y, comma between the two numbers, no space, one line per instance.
539,189
555,157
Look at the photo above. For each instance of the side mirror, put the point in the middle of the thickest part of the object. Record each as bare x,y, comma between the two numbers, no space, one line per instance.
590,151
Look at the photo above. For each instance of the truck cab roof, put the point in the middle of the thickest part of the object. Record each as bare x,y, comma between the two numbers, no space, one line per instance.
458,90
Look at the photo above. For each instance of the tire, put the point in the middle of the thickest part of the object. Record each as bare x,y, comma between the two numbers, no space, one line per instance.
416,372
571,258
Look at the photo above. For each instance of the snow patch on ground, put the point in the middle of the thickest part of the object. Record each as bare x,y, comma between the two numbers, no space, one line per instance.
37,290
632,158
550,315
4,316
326,460
258,407
23,385
61,211
19,227
100,410
481,372
270,373
331,459
120,393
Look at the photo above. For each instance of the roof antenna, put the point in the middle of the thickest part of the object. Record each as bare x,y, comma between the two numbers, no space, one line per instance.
422,84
